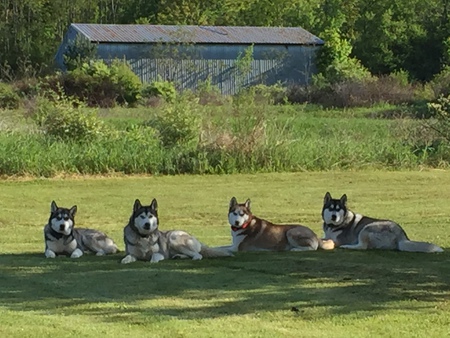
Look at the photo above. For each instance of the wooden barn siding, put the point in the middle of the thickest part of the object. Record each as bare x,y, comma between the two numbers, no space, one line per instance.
188,65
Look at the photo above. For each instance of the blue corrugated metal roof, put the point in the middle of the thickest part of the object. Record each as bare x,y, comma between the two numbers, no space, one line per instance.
196,34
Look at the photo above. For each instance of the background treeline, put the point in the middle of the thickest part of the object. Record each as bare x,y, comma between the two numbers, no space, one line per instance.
385,35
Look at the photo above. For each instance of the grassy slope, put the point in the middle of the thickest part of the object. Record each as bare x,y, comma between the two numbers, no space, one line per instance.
337,293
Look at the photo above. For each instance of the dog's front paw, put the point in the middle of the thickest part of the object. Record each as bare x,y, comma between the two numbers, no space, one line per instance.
49,254
156,257
76,254
128,259
197,257
100,253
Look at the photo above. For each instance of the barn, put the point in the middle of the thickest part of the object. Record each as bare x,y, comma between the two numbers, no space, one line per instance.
228,57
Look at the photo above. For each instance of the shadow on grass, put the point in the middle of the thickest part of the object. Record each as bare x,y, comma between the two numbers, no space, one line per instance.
338,282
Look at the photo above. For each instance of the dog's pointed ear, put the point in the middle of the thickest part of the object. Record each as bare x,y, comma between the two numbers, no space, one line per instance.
327,198
137,205
53,207
154,205
233,202
247,204
73,210
344,199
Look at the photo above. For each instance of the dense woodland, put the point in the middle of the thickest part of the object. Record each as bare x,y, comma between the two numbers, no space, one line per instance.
385,35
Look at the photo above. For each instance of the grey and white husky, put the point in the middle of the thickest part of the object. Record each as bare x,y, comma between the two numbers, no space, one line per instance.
251,233
144,240
62,238
354,231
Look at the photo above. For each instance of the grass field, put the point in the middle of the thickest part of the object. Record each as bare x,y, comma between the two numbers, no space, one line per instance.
338,293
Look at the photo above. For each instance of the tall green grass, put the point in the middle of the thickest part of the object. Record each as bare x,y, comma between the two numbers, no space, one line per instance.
244,138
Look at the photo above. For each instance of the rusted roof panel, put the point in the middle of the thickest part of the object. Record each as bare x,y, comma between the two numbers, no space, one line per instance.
196,34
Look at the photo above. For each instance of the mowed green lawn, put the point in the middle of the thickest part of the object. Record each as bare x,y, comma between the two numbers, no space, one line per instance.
333,294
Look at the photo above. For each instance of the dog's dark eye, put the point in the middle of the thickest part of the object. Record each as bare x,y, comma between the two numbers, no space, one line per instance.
235,213
59,217
142,216
242,215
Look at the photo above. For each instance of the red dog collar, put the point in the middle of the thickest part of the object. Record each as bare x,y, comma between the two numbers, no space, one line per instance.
241,227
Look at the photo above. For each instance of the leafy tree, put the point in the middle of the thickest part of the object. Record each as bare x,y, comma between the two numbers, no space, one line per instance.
334,61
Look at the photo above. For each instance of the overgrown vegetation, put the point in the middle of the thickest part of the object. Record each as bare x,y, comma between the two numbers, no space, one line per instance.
247,133
261,129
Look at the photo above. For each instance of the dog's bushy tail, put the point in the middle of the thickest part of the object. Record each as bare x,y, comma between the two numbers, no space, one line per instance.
413,246
326,244
109,246
208,252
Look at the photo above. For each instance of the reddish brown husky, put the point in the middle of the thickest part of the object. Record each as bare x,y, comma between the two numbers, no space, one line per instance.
251,233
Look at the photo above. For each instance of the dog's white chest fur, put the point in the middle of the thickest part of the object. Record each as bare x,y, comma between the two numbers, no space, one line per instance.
333,235
59,246
237,238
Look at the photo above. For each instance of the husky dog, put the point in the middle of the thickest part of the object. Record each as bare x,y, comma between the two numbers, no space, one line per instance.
144,241
354,231
250,233
61,236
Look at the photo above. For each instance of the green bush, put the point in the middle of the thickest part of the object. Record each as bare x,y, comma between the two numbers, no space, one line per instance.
441,82
334,62
266,94
160,88
79,51
128,84
9,99
209,94
100,84
67,119
440,110
178,124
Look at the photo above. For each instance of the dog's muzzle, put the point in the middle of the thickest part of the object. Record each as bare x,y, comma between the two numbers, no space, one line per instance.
146,226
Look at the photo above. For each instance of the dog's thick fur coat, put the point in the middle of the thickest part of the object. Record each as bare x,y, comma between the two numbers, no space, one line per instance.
63,238
354,231
144,241
251,233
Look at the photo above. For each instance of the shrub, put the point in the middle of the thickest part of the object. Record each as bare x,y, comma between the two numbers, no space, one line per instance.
27,87
100,84
393,89
78,52
128,84
441,83
67,119
265,94
210,94
160,88
440,110
178,124
8,97
334,62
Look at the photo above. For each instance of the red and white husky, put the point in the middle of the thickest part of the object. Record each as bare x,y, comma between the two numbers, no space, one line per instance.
251,233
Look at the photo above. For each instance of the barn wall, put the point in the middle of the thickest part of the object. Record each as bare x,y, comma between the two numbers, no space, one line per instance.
187,65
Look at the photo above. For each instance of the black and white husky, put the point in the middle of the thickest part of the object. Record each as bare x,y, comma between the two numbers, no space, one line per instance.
62,238
354,231
144,241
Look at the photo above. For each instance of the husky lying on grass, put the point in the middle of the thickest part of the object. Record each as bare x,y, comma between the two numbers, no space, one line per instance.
251,233
62,238
144,240
354,231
